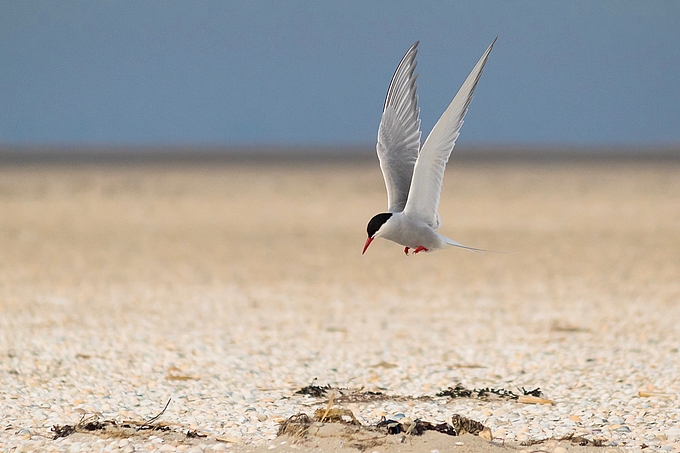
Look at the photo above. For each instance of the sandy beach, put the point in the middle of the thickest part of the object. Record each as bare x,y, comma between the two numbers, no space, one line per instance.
227,287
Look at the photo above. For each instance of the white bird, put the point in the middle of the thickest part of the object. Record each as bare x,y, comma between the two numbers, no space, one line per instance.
414,174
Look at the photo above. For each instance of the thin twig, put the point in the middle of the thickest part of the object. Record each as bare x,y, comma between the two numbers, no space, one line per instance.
153,419
328,408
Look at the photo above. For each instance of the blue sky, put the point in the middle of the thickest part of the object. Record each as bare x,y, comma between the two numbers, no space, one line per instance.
315,73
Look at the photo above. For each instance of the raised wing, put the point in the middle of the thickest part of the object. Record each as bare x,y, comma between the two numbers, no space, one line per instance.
399,132
428,174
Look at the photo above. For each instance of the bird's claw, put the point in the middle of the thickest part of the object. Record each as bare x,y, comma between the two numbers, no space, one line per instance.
406,249
420,248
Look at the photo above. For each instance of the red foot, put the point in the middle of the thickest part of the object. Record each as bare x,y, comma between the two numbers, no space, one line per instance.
420,248
406,251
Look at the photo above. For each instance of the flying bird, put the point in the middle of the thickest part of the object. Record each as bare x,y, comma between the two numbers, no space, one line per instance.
414,174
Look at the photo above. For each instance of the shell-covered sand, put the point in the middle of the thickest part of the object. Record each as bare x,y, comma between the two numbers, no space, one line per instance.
228,287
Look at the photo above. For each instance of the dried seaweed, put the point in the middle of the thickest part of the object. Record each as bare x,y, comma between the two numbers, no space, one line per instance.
422,426
93,424
487,393
456,392
296,426
459,425
63,430
535,392
315,391
110,427
344,395
360,396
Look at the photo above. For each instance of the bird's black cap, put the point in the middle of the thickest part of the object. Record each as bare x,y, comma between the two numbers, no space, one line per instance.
376,222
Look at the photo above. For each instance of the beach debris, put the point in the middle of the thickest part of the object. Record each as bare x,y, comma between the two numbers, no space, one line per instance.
413,427
107,428
344,395
335,415
154,419
63,430
534,396
361,396
573,438
456,392
650,394
94,425
315,391
296,426
88,424
464,425
528,399
392,426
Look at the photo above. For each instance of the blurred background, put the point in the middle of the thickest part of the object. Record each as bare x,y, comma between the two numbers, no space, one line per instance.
217,76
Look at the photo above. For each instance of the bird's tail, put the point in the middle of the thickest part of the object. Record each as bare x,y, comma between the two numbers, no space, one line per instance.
458,244
472,249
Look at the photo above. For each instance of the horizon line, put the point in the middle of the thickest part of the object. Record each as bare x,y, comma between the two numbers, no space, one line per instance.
187,153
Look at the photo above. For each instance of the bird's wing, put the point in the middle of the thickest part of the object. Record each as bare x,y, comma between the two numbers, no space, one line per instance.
399,132
428,174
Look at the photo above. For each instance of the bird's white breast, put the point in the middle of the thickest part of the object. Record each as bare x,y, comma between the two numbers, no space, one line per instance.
409,232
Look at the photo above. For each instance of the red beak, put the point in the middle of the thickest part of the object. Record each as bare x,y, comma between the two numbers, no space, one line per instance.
368,242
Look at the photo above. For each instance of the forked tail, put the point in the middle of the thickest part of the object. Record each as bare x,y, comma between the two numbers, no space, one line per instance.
473,249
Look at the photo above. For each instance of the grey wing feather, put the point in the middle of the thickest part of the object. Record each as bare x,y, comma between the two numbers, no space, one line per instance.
428,173
399,132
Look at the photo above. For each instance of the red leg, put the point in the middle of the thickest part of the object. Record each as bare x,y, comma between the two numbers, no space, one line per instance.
406,251
420,248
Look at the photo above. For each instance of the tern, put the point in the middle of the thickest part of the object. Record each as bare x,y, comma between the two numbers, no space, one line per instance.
414,174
